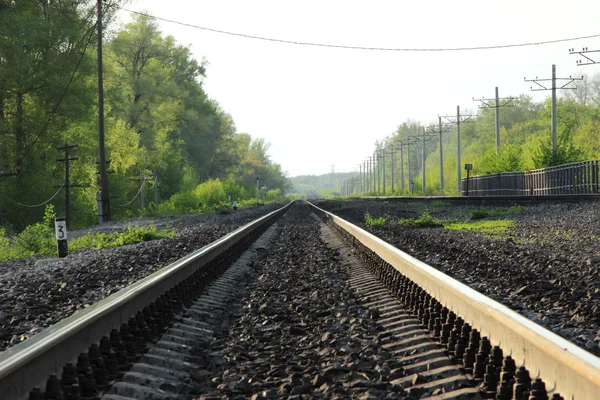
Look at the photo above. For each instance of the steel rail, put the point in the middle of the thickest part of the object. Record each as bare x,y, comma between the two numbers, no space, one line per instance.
28,364
566,368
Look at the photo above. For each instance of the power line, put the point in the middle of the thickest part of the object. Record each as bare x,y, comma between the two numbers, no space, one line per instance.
137,194
38,205
338,46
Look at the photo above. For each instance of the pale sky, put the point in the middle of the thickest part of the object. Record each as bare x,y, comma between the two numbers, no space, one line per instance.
322,106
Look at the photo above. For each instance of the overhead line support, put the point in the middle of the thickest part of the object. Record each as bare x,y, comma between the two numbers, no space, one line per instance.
497,104
583,53
553,88
458,119
67,160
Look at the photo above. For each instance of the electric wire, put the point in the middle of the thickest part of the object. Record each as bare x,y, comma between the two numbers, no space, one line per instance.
137,194
41,204
349,47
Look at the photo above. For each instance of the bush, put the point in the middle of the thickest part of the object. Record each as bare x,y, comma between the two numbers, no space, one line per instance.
211,193
223,208
479,214
234,190
183,202
274,195
38,238
7,250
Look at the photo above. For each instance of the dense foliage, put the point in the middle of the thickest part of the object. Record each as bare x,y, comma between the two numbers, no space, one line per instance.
525,137
164,135
328,185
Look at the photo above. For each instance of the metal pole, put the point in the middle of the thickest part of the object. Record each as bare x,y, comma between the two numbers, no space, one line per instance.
257,189
554,109
67,189
67,185
383,167
441,157
497,122
368,161
458,146
155,188
359,177
392,150
142,184
378,175
373,173
402,167
368,175
104,211
423,187
365,178
408,153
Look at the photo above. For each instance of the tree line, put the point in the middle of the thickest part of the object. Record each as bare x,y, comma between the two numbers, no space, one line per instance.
164,133
525,141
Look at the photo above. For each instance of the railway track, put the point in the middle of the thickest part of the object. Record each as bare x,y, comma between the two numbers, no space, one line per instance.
313,195
298,305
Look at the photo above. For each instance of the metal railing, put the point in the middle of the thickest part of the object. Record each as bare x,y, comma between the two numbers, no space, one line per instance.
574,178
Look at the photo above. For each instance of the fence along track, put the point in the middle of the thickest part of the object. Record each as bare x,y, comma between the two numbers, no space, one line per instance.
568,179
565,368
28,364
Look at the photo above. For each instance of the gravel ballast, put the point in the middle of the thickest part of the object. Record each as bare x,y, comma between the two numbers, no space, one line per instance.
301,331
36,293
546,266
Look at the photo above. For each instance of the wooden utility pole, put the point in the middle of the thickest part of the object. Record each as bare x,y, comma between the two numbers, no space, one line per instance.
155,187
4,175
142,180
103,203
67,160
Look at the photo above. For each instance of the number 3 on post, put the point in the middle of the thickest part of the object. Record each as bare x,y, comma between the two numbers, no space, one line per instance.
60,226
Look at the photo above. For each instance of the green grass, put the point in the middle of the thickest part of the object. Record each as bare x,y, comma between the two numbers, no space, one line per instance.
497,213
370,221
437,204
426,221
39,240
479,214
131,235
487,227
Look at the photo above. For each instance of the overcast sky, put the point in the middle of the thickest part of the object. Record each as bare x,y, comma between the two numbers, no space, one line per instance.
321,106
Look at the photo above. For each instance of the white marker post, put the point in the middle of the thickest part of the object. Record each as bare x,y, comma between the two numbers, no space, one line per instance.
60,225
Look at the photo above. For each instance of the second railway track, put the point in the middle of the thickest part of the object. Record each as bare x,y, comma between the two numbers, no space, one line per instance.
312,309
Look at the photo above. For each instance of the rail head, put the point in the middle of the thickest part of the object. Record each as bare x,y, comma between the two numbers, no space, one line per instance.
566,368
28,364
